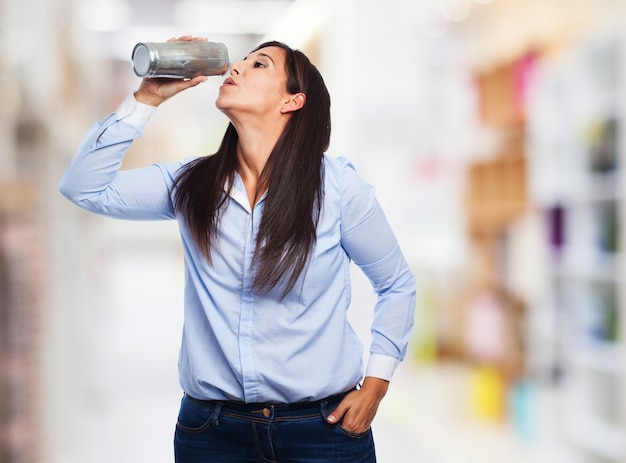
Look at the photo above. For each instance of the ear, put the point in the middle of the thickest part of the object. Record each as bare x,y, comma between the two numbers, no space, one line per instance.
294,103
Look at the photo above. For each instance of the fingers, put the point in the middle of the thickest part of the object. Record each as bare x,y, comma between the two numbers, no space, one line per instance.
354,415
337,414
172,87
358,409
187,38
197,80
155,91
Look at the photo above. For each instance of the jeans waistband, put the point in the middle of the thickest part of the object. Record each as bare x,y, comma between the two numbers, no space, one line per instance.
277,408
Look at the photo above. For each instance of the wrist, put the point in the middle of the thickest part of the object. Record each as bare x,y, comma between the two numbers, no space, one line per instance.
147,99
376,386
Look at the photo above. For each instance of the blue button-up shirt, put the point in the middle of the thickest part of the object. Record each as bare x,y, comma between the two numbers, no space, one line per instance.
237,344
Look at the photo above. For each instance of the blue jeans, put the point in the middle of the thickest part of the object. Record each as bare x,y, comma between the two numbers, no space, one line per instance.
226,432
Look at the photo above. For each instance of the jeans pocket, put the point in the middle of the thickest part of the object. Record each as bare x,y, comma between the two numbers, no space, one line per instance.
354,435
339,426
193,417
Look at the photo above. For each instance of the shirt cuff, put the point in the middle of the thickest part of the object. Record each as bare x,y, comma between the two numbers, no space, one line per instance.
381,366
135,113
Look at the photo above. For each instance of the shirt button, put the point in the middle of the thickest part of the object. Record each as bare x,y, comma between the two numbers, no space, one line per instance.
266,412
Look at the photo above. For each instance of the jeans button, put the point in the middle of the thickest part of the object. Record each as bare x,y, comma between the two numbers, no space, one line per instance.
266,412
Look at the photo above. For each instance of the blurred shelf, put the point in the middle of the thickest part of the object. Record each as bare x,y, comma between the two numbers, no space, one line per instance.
599,355
591,265
576,150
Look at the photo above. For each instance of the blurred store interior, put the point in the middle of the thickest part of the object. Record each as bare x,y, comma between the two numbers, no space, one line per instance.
493,132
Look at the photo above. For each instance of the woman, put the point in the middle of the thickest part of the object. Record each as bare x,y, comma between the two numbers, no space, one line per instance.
270,367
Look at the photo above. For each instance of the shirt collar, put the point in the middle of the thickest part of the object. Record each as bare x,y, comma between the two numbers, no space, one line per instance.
237,191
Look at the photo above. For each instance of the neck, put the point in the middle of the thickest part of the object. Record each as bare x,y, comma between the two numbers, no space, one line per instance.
254,146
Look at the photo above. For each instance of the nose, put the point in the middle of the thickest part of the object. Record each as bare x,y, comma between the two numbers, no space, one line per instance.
234,68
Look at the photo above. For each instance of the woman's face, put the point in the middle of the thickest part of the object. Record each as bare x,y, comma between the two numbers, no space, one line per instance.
256,86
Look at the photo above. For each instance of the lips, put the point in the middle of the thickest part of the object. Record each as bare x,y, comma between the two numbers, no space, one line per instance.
229,81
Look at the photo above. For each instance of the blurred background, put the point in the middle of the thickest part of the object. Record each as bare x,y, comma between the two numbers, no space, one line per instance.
493,133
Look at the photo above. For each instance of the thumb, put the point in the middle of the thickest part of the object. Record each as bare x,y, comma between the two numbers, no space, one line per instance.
337,413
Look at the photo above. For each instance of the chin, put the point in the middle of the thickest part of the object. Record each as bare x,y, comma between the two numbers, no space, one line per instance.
219,104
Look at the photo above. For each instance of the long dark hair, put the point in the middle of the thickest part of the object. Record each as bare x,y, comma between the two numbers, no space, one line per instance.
292,175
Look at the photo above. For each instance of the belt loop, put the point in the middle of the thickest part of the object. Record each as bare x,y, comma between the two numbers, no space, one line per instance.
323,404
215,422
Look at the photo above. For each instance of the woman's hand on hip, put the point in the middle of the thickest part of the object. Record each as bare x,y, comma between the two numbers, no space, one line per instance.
358,409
